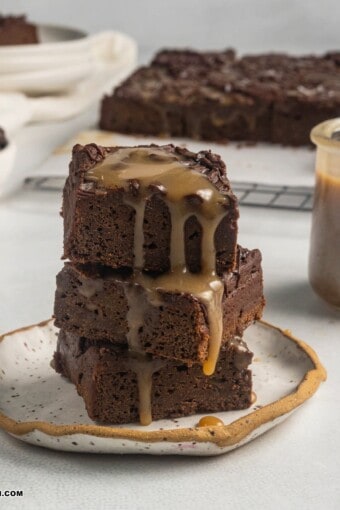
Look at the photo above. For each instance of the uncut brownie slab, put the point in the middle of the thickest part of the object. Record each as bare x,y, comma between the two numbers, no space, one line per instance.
94,302
108,377
216,96
16,30
140,221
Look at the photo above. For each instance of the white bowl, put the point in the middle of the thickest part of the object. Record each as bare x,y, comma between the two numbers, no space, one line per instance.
62,58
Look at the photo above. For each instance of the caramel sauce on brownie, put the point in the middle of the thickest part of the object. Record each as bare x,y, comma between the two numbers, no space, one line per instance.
140,173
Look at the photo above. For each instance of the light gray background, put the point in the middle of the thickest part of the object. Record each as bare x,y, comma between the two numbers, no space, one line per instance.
248,25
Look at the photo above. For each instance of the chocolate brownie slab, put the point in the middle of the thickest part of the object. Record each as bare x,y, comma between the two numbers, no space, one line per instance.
119,387
101,304
149,207
216,96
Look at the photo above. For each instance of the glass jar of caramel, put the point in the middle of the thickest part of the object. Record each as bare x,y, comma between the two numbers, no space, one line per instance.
324,257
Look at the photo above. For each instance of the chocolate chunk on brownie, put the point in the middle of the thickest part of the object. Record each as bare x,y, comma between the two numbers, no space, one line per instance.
119,387
3,140
217,96
102,304
149,207
17,30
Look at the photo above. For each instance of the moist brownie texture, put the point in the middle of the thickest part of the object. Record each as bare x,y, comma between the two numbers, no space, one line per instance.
3,140
155,294
217,96
16,30
106,376
100,218
93,302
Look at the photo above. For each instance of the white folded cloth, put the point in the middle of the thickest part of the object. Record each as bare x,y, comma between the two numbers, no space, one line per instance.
113,55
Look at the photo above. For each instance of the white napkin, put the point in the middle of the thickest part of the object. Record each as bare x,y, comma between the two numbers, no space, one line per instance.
114,55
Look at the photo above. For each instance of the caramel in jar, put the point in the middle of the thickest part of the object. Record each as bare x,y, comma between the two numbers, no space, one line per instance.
324,256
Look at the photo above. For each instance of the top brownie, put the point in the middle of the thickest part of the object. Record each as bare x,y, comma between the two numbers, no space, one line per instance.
16,30
120,212
217,96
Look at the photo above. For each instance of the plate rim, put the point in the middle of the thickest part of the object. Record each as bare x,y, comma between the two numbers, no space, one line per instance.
222,436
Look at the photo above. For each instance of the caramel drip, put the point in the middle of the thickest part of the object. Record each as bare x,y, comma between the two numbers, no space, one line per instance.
186,192
143,365
139,207
144,369
90,287
213,302
208,251
210,421
177,245
207,288
253,397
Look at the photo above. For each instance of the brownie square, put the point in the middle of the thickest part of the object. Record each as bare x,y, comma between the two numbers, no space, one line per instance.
99,220
216,96
93,302
106,376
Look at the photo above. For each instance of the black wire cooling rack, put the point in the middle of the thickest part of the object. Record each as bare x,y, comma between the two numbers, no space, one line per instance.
252,194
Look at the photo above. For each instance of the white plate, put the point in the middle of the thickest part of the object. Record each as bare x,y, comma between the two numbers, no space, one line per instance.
40,407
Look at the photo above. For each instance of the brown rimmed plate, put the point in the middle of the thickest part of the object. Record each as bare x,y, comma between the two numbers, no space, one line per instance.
40,407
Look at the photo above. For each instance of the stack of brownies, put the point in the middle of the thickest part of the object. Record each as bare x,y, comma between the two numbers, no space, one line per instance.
156,293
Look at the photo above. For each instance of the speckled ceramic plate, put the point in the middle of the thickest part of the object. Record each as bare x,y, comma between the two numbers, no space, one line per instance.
40,407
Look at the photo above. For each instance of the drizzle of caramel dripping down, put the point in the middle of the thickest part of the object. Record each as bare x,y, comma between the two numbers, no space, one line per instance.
207,288
144,369
143,365
142,169
138,171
